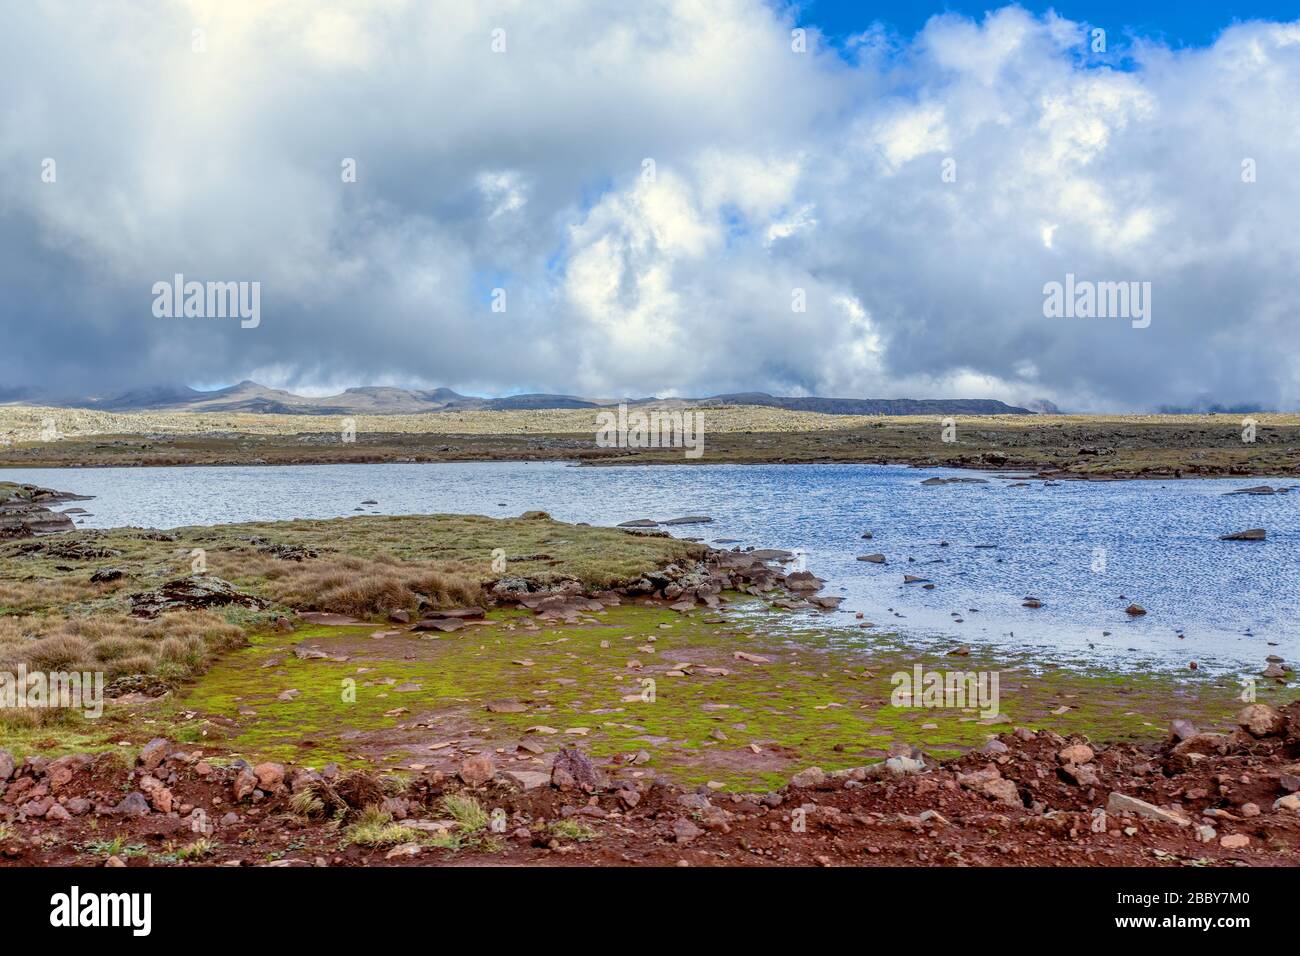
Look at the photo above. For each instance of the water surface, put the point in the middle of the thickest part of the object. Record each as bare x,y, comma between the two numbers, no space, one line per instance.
1086,549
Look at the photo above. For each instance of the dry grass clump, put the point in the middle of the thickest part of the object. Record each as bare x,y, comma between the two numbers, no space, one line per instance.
37,593
364,587
175,646
345,799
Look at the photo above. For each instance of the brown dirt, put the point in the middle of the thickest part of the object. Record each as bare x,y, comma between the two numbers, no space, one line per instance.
1044,817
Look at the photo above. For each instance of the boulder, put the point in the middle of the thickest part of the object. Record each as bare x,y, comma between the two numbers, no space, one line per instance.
270,776
153,753
527,779
133,804
1261,720
245,784
196,591
803,581
61,771
990,782
476,770
684,831
573,769
31,521
1076,754
812,777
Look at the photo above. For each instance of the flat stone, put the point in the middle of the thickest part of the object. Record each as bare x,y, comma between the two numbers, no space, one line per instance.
527,779
1123,805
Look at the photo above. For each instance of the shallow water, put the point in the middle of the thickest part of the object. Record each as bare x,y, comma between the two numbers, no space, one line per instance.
1087,549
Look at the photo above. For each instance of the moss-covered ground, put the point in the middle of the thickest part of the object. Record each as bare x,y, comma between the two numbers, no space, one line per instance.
411,701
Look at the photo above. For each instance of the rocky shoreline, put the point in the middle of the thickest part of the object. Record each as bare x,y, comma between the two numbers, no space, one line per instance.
24,512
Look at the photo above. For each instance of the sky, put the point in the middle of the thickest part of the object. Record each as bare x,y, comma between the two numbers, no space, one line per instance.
1177,23
669,197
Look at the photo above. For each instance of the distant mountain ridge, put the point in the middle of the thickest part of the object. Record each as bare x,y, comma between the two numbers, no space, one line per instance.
250,397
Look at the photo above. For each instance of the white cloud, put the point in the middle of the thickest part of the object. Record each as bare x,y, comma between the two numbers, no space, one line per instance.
774,171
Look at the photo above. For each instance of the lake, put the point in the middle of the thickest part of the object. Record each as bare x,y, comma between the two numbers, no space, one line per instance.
1086,549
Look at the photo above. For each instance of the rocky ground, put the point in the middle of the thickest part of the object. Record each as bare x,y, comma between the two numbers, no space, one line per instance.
1024,799
1165,446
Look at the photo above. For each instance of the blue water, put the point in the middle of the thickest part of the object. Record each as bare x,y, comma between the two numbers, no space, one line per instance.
1086,549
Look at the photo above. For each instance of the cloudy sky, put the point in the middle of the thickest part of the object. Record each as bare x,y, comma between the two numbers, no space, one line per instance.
655,186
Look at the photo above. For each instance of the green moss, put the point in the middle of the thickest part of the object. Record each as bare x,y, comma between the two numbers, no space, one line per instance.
819,700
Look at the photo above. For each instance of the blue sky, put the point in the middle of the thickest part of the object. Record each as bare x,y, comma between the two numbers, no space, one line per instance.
1185,23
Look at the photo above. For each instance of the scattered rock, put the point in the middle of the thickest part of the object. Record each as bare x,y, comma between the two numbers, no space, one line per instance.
270,776
153,753
1076,754
573,769
245,784
527,779
1123,805
684,831
1261,720
477,770
812,777
133,804
403,850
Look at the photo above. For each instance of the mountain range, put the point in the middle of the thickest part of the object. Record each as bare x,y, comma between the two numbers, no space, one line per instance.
249,396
